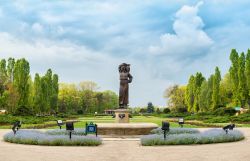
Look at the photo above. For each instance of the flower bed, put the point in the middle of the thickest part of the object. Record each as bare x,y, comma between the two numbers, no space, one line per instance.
35,137
65,132
176,131
207,137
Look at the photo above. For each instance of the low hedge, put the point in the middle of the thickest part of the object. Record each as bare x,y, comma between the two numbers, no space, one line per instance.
35,137
176,131
65,132
207,137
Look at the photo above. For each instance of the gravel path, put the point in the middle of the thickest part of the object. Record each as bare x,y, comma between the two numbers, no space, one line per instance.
127,150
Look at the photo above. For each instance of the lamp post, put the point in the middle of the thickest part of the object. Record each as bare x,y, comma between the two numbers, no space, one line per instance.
165,128
181,122
228,127
70,128
59,123
16,126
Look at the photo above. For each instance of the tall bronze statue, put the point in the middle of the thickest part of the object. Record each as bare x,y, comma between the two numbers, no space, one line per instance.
125,79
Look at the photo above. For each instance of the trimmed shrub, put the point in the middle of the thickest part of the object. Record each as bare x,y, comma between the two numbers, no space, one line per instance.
35,137
23,111
65,132
176,131
207,137
166,110
224,111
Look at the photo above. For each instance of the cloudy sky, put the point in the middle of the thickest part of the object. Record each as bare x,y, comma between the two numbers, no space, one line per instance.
165,41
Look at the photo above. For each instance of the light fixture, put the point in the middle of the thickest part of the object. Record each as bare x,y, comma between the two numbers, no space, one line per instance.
165,128
70,128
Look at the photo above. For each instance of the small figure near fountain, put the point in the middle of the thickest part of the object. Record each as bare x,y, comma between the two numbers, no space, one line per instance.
125,79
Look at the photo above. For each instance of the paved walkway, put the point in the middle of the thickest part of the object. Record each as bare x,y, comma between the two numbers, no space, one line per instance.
127,150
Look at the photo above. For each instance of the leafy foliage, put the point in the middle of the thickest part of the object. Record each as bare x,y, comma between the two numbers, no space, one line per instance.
203,95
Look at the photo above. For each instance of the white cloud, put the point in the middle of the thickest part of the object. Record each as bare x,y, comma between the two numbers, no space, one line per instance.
189,38
37,27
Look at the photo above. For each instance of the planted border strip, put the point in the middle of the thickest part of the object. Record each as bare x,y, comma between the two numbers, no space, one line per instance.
34,137
207,137
176,131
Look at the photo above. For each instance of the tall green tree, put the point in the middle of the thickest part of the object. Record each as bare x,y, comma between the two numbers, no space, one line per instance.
189,94
203,97
55,91
226,91
197,88
248,74
234,57
10,69
48,84
210,84
21,80
176,97
216,89
37,99
242,87
3,84
3,76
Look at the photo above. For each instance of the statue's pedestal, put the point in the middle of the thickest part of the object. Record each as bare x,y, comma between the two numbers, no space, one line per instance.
122,116
125,129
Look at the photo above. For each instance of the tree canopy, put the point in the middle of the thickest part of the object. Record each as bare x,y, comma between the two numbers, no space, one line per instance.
203,94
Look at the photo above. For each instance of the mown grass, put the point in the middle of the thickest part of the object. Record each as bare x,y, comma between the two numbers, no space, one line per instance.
135,119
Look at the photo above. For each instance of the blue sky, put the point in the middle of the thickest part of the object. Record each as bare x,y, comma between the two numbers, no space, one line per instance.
165,41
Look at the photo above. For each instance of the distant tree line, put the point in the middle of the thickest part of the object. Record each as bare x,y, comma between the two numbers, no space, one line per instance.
84,98
201,94
21,95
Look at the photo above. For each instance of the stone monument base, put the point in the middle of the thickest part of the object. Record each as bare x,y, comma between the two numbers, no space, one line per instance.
117,129
122,116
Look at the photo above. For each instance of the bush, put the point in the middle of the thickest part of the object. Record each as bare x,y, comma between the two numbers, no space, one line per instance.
35,137
9,119
80,112
207,137
166,110
65,132
176,131
224,111
180,110
175,114
23,111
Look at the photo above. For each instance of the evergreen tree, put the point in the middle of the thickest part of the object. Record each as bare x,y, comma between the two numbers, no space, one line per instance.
37,100
189,94
210,84
48,89
21,78
197,87
248,74
3,76
216,89
10,69
150,108
242,87
203,97
55,91
234,57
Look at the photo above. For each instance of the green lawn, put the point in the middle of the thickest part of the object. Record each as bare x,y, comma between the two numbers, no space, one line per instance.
135,119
